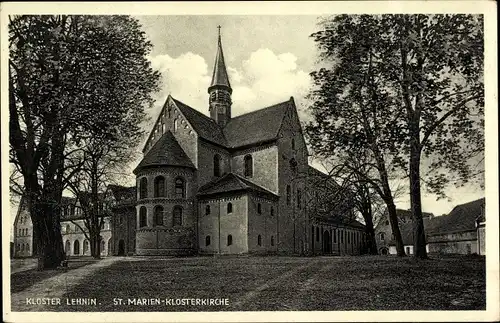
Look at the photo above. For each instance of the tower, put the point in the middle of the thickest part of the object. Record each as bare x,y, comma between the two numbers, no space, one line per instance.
220,89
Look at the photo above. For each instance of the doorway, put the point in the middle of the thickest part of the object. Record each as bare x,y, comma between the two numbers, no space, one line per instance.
327,243
121,248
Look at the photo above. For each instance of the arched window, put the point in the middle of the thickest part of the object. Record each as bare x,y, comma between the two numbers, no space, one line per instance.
288,195
85,246
259,240
176,124
217,165
382,236
259,208
207,209
159,186
207,241
22,247
248,166
293,143
272,240
76,247
386,222
143,188
317,233
229,208
348,237
67,247
334,234
143,217
103,246
272,211
169,112
177,216
180,189
20,232
18,247
158,215
229,240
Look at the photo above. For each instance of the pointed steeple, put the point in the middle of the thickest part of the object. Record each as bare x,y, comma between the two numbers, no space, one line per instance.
220,89
219,76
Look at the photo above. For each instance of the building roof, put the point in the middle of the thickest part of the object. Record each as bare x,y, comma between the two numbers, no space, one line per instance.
219,76
231,182
462,218
256,127
204,126
165,152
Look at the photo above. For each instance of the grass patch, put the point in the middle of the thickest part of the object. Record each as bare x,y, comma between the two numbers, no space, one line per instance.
21,280
289,283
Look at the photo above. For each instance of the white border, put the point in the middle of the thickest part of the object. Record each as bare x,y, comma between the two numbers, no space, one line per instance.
488,8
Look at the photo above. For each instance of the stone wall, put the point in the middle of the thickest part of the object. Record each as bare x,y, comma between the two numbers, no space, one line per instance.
206,153
124,224
263,224
454,243
218,224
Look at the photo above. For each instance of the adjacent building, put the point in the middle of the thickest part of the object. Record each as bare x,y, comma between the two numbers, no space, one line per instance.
460,232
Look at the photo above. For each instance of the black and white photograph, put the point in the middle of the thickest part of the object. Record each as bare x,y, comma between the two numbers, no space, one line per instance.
231,159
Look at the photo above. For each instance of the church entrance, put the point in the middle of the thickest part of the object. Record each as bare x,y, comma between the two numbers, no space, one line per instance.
327,242
121,248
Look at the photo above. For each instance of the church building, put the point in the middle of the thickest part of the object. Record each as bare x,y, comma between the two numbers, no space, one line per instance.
228,185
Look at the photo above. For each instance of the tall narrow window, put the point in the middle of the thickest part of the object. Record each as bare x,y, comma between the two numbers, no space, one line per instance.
299,199
293,143
259,208
143,188
170,112
76,247
229,208
229,240
207,209
341,236
334,236
348,237
217,163
177,216
207,241
180,188
176,124
317,233
158,215
272,240
288,195
248,166
382,236
259,240
143,217
272,211
159,186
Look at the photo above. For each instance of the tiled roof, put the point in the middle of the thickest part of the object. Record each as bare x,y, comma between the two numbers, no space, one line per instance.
257,126
231,182
165,152
220,76
204,126
461,218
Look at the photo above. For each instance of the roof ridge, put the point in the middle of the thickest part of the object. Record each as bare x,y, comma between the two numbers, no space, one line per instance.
252,183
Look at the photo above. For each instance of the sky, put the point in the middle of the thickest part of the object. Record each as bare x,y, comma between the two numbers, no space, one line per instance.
269,59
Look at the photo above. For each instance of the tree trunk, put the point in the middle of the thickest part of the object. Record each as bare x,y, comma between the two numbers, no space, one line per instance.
393,219
48,237
419,243
370,236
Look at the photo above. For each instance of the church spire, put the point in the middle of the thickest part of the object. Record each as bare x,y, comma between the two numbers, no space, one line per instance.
220,89
219,76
